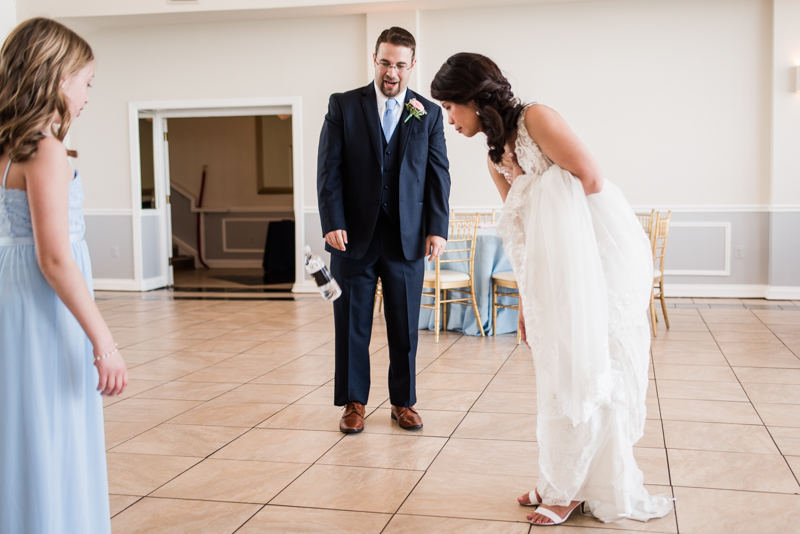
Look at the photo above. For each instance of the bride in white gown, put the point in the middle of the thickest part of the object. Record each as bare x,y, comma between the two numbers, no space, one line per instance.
584,269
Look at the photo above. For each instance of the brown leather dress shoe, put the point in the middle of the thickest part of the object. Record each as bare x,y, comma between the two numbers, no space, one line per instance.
407,418
352,421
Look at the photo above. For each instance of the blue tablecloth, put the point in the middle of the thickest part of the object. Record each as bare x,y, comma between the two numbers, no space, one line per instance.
489,259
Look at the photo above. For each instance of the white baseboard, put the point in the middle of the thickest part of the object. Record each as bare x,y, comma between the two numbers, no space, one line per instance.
116,284
305,286
783,293
732,291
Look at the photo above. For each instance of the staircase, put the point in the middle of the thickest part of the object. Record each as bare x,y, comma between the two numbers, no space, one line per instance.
180,262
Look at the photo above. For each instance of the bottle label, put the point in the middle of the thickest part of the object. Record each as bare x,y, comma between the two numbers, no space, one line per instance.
322,277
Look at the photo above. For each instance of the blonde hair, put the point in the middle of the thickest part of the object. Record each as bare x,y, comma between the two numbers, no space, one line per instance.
35,59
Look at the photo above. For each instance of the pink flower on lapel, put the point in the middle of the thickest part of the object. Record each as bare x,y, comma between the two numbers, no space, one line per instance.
415,109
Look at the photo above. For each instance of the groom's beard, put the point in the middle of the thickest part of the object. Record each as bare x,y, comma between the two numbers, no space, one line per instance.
391,89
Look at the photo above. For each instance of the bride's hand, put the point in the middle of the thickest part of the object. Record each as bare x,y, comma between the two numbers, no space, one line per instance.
521,326
510,168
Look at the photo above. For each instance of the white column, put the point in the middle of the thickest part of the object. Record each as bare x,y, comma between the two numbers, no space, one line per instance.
8,17
377,22
784,273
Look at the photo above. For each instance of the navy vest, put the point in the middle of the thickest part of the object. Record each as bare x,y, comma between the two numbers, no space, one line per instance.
390,175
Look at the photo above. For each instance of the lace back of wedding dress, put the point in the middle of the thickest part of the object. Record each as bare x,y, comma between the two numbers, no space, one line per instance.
584,271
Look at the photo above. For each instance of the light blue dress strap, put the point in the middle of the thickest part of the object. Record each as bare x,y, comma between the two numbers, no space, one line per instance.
5,175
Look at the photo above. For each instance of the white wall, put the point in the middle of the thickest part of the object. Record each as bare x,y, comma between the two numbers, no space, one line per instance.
8,17
672,97
215,61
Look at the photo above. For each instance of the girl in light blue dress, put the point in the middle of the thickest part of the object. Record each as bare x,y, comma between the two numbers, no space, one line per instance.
57,355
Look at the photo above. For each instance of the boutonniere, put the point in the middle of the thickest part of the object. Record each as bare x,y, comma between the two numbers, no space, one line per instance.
415,109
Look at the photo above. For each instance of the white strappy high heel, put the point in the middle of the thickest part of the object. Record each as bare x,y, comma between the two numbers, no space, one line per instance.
534,500
554,517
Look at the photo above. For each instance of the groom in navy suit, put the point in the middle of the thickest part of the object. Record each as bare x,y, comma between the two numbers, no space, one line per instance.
383,187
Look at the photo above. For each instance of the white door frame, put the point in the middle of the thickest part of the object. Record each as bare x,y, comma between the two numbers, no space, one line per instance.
234,107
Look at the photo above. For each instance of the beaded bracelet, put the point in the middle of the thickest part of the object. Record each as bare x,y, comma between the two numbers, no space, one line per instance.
104,356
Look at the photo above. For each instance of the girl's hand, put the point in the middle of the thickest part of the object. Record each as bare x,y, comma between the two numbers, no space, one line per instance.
113,374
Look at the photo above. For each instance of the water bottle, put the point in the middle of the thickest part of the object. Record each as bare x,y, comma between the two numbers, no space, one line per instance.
328,287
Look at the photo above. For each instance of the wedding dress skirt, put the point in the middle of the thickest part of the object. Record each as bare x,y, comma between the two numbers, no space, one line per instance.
584,269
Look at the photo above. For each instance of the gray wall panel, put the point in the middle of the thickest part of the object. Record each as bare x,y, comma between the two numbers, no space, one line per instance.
784,266
214,229
151,249
106,235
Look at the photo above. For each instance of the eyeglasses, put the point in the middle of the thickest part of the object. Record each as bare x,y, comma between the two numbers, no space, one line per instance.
386,66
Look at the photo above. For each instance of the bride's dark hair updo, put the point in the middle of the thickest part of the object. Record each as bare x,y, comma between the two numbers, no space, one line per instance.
467,77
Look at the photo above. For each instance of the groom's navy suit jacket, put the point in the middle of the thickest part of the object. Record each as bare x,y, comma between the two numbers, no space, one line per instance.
349,170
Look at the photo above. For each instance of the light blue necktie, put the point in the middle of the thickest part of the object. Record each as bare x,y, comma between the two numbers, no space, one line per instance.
388,119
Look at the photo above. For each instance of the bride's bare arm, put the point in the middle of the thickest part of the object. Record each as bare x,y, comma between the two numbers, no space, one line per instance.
558,142
499,181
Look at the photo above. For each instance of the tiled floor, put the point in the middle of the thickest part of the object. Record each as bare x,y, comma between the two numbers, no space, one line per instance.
228,425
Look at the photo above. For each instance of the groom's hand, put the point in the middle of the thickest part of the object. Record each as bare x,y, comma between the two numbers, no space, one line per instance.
337,239
434,246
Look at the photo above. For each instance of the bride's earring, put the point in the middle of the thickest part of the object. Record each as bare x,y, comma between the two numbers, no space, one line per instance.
477,112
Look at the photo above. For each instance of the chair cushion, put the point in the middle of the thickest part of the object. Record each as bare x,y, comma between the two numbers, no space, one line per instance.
508,276
447,275
656,273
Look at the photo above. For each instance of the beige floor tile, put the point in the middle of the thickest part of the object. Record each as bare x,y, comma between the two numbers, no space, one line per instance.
277,445
785,359
719,328
440,399
232,481
119,502
688,358
700,390
166,344
718,437
653,435
454,381
290,520
779,414
196,333
488,457
181,440
323,395
776,350
248,334
709,511
512,384
307,417
452,365
168,368
266,393
436,423
709,411
405,524
509,427
503,402
135,357
176,516
147,410
197,391
117,432
682,335
469,496
653,463
522,366
768,376
228,413
385,451
731,470
794,464
688,346
746,337
711,373
778,317
728,317
653,411
773,393
307,371
140,474
788,439
134,388
350,488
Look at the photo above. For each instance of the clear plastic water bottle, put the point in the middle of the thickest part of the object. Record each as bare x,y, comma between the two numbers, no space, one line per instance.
328,287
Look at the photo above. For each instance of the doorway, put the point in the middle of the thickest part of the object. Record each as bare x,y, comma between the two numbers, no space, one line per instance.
222,207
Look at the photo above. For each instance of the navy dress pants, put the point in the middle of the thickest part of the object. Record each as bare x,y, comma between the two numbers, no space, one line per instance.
402,294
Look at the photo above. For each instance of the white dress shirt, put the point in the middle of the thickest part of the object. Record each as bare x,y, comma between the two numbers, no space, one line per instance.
382,98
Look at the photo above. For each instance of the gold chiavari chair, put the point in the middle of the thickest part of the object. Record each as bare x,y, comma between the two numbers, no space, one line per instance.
506,280
646,220
462,235
483,218
660,233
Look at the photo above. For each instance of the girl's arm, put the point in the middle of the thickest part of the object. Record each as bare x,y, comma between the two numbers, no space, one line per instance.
47,178
558,142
